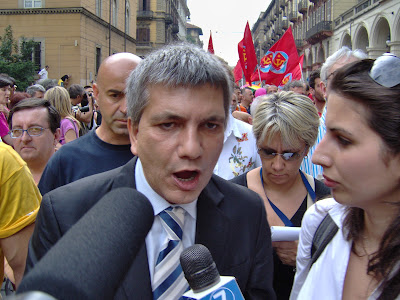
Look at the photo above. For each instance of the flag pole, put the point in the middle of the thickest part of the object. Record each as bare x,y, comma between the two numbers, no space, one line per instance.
301,72
259,74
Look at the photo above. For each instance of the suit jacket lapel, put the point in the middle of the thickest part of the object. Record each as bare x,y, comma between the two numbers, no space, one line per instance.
212,225
136,284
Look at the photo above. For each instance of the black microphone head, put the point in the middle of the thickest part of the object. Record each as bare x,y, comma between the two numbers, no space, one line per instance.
91,260
199,268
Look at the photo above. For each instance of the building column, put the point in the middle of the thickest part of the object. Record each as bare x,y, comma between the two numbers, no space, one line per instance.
375,52
394,47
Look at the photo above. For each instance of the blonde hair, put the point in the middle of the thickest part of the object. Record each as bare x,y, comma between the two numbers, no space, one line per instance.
291,115
59,98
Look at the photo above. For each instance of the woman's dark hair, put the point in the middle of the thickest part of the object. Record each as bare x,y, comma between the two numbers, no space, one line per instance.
4,81
382,105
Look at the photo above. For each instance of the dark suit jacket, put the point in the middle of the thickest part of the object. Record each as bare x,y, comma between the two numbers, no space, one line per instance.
231,223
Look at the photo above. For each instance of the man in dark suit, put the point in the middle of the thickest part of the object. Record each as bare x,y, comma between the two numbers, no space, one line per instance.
178,102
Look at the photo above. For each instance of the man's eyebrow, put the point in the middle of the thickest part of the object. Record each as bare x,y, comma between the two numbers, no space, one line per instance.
174,117
113,91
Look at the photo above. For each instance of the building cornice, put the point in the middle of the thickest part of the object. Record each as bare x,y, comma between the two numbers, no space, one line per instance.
65,10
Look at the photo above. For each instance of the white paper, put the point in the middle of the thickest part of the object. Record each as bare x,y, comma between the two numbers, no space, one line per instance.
283,233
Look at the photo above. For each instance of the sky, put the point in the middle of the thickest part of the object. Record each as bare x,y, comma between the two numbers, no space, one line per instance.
227,20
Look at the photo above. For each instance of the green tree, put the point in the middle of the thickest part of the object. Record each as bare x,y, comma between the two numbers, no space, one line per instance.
16,60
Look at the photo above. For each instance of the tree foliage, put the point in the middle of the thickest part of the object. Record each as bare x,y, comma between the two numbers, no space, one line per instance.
16,59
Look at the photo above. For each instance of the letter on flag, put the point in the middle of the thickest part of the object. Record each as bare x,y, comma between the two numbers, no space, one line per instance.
210,45
247,54
280,60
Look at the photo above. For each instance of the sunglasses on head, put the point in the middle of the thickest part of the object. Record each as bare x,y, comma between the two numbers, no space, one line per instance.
386,70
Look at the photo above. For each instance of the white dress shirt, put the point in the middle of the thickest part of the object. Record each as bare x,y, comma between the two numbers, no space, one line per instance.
157,234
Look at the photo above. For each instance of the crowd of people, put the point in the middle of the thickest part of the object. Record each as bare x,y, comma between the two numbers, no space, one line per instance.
222,163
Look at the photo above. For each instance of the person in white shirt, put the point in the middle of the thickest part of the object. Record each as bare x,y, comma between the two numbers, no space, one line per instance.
44,72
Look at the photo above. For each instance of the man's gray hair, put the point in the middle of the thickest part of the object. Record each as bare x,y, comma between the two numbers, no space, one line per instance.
344,54
175,65
31,90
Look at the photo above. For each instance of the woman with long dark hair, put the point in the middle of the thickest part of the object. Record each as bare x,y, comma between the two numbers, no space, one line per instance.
360,154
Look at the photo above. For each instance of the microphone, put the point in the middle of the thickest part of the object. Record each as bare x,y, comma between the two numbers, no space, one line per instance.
91,260
203,277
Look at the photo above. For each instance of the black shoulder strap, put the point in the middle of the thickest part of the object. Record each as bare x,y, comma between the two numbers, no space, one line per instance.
324,234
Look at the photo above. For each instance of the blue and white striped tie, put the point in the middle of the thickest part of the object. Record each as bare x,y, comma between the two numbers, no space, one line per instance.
168,281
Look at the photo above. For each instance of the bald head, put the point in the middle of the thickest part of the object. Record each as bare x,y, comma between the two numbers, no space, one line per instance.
109,92
120,62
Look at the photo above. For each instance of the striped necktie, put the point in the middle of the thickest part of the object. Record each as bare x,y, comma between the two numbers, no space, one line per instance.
169,282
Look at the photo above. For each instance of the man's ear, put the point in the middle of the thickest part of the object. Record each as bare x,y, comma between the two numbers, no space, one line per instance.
57,135
95,90
133,130
323,88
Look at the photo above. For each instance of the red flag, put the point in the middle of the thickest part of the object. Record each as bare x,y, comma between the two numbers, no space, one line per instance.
238,72
247,54
279,60
296,73
210,45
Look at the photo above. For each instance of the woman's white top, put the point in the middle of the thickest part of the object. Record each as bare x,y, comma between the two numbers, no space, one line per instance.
325,279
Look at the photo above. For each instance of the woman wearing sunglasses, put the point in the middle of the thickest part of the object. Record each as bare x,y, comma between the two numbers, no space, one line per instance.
285,126
360,154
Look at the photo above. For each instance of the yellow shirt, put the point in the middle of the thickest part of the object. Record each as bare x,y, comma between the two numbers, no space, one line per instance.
19,196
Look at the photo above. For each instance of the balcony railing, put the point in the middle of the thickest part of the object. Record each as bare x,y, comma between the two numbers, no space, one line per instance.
293,16
168,19
299,43
285,24
144,14
175,28
282,3
303,6
319,32
352,12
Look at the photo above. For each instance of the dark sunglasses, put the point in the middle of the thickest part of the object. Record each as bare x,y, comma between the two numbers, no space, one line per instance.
386,70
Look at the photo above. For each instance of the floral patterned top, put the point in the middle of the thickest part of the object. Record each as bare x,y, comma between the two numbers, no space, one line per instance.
239,153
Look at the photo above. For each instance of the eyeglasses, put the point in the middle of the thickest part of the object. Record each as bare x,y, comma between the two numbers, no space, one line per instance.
31,131
288,156
385,70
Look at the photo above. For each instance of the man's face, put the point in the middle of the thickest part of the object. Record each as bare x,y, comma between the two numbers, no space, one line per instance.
317,92
272,89
179,139
247,96
38,94
34,149
109,92
77,100
233,102
299,90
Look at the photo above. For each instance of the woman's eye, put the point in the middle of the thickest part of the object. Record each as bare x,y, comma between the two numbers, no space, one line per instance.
343,141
